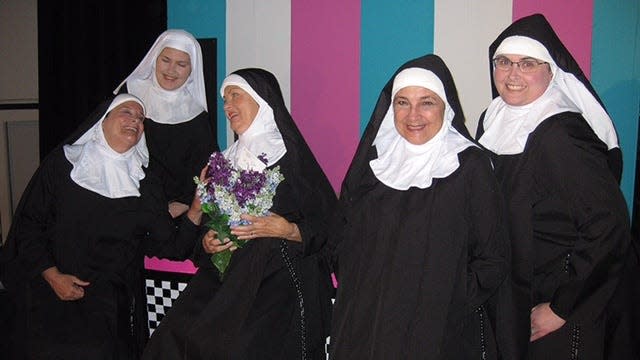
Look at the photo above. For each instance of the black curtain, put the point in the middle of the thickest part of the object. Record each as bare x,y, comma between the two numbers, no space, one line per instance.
209,66
85,49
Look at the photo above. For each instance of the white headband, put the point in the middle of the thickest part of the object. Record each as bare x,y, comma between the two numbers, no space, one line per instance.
522,45
426,79
123,98
237,80
418,77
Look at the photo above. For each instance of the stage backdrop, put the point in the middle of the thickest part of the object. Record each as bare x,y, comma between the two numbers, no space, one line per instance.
333,57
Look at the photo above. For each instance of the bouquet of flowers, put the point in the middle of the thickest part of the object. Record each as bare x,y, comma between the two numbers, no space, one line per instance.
228,192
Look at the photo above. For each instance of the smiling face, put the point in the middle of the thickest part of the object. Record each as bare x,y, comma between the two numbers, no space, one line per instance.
240,108
418,114
517,88
173,68
123,126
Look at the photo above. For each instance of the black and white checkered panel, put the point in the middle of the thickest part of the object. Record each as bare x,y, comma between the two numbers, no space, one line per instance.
328,340
162,289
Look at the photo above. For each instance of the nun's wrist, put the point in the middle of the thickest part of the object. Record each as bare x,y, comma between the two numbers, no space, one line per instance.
294,234
194,215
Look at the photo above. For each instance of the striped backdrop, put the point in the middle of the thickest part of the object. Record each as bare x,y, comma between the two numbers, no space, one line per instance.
333,57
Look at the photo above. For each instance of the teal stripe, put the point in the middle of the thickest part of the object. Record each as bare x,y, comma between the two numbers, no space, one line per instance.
392,33
615,70
204,19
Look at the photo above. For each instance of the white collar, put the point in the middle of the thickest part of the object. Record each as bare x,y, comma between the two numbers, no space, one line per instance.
507,127
401,165
262,137
165,107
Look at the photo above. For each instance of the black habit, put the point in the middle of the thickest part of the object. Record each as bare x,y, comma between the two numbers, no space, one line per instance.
415,267
274,302
96,238
181,150
568,225
181,142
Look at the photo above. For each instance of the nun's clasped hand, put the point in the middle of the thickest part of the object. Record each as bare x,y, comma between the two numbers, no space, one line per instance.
272,225
213,245
194,212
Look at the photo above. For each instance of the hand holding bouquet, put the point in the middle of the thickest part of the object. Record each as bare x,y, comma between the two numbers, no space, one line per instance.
227,193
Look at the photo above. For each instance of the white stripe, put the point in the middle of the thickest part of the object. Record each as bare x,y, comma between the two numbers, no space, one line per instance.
464,29
259,35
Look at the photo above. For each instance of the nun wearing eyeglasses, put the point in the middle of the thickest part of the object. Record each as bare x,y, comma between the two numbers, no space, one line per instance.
557,158
419,240
75,249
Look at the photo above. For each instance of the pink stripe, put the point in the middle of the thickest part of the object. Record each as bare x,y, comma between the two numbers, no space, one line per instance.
169,266
571,19
325,80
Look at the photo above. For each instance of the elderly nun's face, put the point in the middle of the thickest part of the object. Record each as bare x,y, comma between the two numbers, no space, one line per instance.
123,126
418,114
517,88
173,68
240,108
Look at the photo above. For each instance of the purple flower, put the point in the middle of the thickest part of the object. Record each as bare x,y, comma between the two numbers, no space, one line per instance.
248,186
230,192
219,171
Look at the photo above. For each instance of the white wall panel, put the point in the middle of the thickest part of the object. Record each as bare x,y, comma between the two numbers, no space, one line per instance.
464,29
259,35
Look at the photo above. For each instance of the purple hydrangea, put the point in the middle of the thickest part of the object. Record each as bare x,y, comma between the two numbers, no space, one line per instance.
219,171
248,185
227,193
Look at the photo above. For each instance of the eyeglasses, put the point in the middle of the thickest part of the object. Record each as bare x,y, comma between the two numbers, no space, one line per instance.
526,66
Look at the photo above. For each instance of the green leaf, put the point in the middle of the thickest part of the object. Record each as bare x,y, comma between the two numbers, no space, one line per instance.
225,234
221,261
207,208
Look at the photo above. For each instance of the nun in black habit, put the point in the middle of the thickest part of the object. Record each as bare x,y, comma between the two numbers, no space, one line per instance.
558,161
170,82
274,302
420,235
73,255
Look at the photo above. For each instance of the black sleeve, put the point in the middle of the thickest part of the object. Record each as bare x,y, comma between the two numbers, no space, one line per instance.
488,252
29,239
314,199
314,223
162,235
576,167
